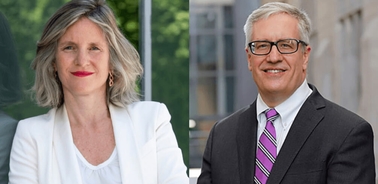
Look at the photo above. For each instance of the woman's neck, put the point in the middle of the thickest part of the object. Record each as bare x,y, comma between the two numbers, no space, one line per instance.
87,111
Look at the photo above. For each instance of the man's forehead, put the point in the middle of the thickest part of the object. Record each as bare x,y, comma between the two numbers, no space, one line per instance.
280,26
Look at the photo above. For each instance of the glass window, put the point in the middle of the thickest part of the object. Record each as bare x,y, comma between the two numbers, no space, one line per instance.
229,51
207,53
230,95
228,12
205,20
207,96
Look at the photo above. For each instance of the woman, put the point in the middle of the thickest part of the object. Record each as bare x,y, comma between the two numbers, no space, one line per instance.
96,132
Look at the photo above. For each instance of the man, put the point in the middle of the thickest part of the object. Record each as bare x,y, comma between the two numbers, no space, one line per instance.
7,129
10,92
290,134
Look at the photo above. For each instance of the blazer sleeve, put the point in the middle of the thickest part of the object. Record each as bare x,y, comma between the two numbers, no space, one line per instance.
354,161
170,166
23,157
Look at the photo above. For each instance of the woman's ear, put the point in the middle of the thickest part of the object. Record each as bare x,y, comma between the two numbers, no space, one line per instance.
54,66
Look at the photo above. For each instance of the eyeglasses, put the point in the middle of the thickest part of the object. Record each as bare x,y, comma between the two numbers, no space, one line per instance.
286,46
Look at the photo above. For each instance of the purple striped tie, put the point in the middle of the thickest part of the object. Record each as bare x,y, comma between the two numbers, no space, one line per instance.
266,149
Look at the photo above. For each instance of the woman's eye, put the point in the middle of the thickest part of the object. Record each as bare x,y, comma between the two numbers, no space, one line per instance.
94,48
68,48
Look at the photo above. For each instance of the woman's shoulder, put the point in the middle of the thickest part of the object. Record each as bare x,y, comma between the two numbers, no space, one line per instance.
38,120
146,106
144,111
154,109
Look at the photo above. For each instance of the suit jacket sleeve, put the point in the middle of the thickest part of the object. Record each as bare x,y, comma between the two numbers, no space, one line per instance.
23,158
205,177
354,161
171,168
7,130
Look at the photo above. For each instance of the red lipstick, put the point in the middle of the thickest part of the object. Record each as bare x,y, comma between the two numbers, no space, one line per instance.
81,73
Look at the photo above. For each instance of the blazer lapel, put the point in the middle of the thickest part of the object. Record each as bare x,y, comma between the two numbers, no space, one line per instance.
64,149
307,119
129,159
246,143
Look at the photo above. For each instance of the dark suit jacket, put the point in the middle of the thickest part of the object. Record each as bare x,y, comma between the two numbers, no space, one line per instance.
326,144
7,129
10,92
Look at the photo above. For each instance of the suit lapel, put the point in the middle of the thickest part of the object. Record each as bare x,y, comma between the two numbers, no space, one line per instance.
246,143
64,149
129,158
307,119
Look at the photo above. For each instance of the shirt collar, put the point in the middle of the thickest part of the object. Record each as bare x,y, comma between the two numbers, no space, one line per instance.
290,107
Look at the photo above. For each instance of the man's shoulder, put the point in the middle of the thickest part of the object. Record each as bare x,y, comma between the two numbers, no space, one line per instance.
233,119
335,113
6,120
7,125
332,109
342,113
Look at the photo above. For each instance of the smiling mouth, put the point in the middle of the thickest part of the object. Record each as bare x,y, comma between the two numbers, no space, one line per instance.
82,73
274,71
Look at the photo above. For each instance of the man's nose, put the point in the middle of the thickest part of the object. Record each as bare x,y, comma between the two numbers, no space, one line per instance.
274,55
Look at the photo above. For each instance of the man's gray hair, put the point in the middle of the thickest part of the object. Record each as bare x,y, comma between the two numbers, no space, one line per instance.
266,10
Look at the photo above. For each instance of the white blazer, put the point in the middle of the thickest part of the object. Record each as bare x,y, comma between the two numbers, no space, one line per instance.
43,150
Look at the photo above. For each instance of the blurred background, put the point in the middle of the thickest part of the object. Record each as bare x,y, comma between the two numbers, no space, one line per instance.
169,54
343,63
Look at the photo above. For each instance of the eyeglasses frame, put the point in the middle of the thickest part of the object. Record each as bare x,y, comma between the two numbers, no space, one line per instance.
275,43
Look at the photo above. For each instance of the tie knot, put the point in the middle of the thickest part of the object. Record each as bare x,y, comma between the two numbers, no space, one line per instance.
271,115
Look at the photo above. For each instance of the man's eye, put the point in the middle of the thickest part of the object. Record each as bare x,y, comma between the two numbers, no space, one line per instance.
286,46
262,46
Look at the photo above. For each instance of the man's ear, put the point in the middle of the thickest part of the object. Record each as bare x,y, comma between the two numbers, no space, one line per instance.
306,57
249,58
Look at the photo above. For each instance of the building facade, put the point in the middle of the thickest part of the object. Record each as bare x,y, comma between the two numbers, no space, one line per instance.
220,81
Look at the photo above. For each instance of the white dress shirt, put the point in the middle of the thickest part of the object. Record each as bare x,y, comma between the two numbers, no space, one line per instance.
287,110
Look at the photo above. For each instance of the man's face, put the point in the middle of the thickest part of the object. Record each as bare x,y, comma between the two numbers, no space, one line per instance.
277,75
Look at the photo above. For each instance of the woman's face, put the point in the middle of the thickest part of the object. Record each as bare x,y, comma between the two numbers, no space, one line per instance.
82,59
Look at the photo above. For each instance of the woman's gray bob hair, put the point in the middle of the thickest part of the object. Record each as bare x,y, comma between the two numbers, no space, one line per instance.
124,59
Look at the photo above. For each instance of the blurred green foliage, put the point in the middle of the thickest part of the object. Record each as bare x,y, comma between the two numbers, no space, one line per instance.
170,52
127,14
170,64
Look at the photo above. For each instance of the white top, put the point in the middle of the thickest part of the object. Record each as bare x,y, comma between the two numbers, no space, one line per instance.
287,110
107,172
